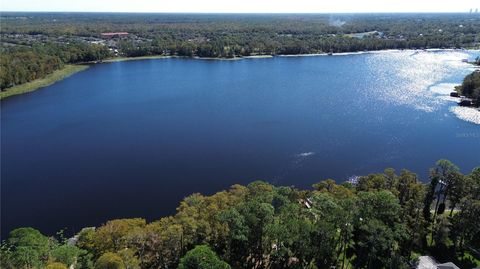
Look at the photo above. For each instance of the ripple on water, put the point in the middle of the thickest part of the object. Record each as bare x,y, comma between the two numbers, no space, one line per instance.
464,113
467,114
421,85
443,88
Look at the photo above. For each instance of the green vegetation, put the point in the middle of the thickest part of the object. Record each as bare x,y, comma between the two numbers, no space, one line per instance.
471,85
383,220
28,248
22,64
49,79
56,265
35,44
110,260
202,257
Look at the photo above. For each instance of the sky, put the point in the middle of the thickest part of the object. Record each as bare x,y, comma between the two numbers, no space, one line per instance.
242,6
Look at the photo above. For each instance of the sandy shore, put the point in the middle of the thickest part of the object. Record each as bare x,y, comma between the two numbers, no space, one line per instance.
121,59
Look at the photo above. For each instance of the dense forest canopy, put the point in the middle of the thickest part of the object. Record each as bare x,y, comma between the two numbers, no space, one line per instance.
77,37
197,25
23,64
471,86
383,220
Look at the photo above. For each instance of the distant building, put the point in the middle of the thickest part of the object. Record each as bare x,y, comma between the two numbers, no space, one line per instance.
115,34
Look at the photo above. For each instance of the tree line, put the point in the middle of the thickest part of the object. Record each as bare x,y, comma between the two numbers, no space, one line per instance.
48,36
471,85
21,64
383,220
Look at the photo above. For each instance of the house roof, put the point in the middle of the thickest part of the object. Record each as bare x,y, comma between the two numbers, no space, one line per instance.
447,265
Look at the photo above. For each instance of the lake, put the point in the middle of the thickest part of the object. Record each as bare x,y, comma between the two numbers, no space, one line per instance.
131,139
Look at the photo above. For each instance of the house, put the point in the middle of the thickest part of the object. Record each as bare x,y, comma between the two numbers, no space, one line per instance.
307,203
428,262
447,265
466,102
114,34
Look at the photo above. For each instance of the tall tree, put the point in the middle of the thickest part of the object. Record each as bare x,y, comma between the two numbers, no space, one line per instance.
202,257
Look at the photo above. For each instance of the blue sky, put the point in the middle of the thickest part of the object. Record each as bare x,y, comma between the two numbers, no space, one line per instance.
242,6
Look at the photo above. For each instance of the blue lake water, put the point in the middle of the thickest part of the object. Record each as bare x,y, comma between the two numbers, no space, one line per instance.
131,139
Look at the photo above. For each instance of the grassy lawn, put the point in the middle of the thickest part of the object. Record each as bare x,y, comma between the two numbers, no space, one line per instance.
43,82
